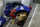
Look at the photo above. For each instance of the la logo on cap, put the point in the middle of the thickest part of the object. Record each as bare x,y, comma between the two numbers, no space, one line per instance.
22,8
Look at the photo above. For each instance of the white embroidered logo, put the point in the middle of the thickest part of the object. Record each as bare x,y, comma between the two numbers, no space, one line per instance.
22,8
0,22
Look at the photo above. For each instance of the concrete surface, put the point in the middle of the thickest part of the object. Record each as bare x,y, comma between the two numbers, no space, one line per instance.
36,17
30,15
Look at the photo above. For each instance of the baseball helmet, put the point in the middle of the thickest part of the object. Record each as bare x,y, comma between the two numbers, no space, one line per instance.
7,10
22,8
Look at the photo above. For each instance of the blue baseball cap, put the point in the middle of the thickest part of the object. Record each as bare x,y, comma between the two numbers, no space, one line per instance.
2,21
25,8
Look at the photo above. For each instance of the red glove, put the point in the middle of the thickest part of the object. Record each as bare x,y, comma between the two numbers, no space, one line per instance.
12,13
